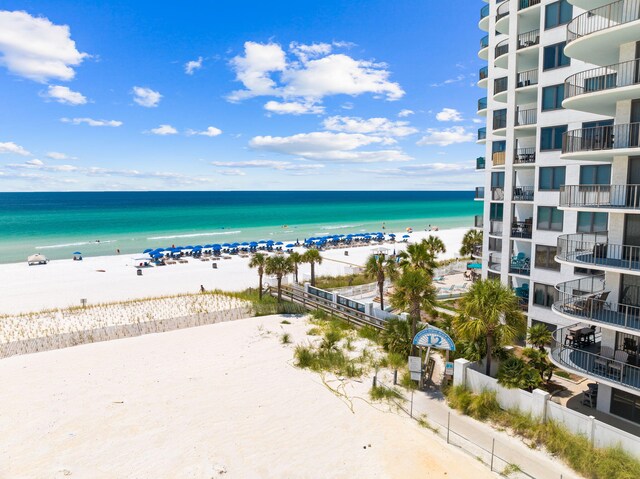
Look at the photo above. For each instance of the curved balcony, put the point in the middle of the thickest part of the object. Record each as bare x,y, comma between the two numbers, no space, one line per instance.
609,198
585,300
587,4
500,122
500,88
495,262
498,158
482,106
501,56
528,39
483,53
525,122
482,135
483,77
601,142
476,251
597,90
596,35
479,196
587,356
524,157
480,163
483,24
523,193
478,221
502,18
594,250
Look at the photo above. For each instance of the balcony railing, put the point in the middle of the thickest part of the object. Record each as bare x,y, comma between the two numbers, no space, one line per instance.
602,18
500,84
520,264
522,229
595,250
603,78
526,117
479,193
522,4
527,78
499,119
480,163
528,39
476,251
497,193
484,12
523,193
585,299
495,261
482,103
482,133
600,196
478,221
590,358
599,138
498,158
502,48
523,156
483,73
503,11
484,42
495,227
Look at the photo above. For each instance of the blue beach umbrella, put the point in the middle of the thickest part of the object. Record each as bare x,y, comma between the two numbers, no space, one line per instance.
148,250
391,234
290,245
262,242
279,243
406,236
245,243
226,245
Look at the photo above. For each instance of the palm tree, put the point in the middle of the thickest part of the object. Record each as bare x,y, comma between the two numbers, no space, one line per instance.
296,259
312,256
435,245
539,336
258,261
379,267
471,239
278,266
489,311
418,256
414,292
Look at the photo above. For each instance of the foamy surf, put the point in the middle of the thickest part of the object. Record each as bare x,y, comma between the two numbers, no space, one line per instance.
194,235
81,243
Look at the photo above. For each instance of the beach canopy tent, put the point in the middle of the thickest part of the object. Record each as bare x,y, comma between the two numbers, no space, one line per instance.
37,259
474,265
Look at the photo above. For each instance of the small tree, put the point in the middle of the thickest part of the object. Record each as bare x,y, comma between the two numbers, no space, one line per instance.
296,259
470,240
379,267
396,337
539,336
517,373
258,261
435,245
278,266
419,257
312,256
539,360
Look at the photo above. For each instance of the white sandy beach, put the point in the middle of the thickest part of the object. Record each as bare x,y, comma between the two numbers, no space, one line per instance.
63,283
198,402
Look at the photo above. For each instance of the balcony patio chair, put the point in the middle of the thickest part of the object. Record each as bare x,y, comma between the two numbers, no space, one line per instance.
630,345
571,339
606,355
617,365
590,397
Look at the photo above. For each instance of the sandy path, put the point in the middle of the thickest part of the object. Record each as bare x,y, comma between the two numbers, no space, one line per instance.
189,403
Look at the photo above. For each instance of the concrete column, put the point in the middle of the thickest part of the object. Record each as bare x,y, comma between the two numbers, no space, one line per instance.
460,372
604,398
591,429
539,404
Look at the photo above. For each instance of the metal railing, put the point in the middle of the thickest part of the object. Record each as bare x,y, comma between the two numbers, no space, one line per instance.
526,117
484,42
479,193
484,12
523,268
498,158
600,196
594,249
483,73
592,363
521,229
528,39
480,163
503,11
585,299
522,4
495,227
497,193
523,193
476,251
611,137
524,156
495,261
482,103
603,78
602,18
482,133
527,78
500,84
499,119
502,48
478,221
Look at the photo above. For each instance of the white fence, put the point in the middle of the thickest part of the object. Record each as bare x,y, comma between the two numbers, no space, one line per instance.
538,404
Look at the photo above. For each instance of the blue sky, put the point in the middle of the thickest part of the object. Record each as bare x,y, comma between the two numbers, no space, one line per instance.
128,95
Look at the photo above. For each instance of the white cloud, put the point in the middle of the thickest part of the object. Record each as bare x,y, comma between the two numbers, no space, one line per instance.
375,126
405,113
275,165
164,130
91,122
36,164
449,81
35,48
232,172
11,147
425,169
210,131
63,94
54,155
477,120
449,114
314,74
328,146
193,65
146,96
447,136
293,108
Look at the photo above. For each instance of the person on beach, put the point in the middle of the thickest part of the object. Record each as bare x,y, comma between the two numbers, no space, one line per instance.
202,290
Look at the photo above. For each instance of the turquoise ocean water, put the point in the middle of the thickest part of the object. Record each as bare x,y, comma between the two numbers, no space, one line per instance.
58,224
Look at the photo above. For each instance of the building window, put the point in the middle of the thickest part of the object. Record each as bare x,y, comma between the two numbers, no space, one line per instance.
554,57
595,175
552,97
544,295
551,178
497,179
545,257
550,218
557,13
625,405
495,244
551,137
589,222
496,211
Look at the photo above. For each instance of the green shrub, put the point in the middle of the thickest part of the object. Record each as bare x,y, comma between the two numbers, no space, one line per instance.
370,333
331,339
460,398
284,321
314,331
406,381
285,338
378,393
304,357
484,405
396,336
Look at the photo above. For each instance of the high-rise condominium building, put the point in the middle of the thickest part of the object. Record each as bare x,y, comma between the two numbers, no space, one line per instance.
562,179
